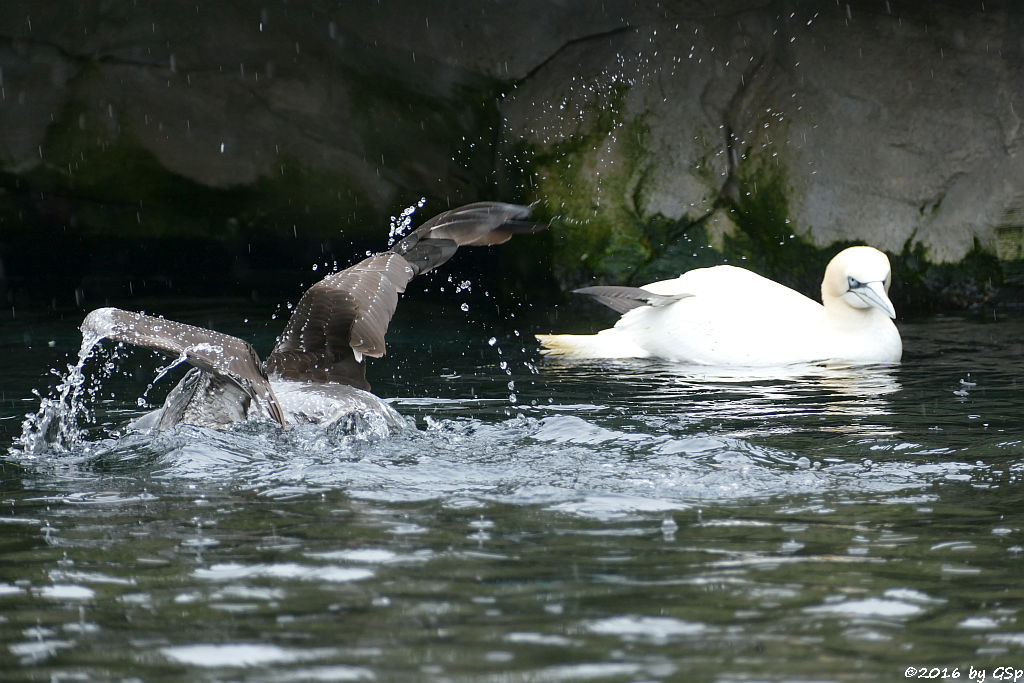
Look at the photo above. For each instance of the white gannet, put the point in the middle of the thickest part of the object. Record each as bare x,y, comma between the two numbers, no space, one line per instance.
317,370
729,316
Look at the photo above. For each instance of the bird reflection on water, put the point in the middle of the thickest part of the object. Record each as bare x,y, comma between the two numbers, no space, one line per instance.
742,394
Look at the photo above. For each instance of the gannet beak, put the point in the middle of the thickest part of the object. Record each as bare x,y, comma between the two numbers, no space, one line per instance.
873,294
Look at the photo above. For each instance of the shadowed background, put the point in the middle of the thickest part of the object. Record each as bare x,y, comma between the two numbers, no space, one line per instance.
173,148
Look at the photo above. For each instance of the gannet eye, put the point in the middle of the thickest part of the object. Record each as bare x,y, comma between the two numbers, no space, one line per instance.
854,283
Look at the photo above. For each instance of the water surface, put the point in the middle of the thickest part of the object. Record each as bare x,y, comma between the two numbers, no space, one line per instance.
536,521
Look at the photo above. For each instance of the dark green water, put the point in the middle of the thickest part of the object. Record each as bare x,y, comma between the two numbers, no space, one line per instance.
627,521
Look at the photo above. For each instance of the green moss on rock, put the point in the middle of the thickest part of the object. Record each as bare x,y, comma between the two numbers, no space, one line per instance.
920,285
600,235
766,240
586,182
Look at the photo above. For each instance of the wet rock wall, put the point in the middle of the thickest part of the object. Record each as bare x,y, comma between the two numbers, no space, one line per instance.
656,136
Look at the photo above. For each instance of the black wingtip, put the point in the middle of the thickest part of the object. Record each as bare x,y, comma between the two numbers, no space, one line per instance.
479,224
623,299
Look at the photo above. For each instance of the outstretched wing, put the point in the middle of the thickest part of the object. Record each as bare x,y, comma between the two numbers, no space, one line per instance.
473,225
344,317
221,354
339,320
622,299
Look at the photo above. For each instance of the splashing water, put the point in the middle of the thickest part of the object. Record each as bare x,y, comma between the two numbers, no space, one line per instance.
162,372
401,224
59,424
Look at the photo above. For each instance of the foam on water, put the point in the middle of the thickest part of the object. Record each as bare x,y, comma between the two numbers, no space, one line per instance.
623,439
602,467
246,655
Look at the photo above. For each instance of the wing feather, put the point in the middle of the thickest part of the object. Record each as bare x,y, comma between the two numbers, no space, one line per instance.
220,354
344,317
339,320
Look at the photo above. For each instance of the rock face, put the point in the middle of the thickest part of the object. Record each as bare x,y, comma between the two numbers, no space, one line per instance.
658,136
161,105
761,125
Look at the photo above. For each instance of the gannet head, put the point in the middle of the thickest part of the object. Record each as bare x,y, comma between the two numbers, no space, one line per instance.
858,277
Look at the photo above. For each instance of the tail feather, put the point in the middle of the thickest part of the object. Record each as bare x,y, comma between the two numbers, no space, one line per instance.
610,343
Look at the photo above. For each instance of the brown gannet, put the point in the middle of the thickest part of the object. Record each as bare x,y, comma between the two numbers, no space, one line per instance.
729,316
317,370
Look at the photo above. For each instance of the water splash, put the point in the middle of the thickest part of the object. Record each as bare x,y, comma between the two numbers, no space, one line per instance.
60,423
400,224
182,358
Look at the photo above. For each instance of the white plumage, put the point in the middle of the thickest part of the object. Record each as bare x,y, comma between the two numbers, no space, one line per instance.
729,316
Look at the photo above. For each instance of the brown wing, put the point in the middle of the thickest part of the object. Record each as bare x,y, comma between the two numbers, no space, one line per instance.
473,225
344,317
339,320
221,354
